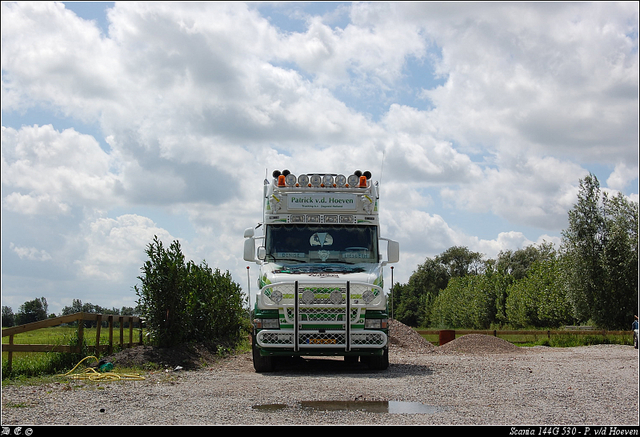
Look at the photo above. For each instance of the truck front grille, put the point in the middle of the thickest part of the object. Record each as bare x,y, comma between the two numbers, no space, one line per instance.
322,316
316,339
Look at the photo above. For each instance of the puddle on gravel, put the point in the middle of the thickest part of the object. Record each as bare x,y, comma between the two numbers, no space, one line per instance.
269,408
390,407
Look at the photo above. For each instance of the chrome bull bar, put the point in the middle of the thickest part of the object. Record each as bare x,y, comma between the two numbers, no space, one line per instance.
322,304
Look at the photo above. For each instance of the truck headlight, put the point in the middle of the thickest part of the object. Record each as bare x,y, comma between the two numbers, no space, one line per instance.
307,297
267,323
375,323
336,297
290,180
316,180
303,180
368,296
276,296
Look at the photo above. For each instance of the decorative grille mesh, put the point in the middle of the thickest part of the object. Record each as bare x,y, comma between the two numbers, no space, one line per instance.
283,338
322,305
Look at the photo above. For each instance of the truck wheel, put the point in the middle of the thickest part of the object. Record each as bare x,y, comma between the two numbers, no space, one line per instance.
260,363
379,362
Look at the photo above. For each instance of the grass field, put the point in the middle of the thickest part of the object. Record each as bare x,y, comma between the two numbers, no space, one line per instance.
62,334
42,363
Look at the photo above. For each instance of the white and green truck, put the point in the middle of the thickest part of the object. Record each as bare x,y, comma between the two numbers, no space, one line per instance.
321,270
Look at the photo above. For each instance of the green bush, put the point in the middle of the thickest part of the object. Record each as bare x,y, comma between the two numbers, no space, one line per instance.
184,302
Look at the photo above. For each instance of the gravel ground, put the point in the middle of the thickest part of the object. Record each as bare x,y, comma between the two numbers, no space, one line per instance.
473,380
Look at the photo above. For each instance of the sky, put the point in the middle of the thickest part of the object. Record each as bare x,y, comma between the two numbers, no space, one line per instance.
121,121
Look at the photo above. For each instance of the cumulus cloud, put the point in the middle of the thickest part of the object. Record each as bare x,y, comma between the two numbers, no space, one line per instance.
529,190
52,58
45,171
30,253
622,175
557,78
113,247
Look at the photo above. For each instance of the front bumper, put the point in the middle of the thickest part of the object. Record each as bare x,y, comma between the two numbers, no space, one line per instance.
323,318
309,340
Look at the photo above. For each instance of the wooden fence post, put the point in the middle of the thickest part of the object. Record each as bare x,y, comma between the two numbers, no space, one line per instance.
110,334
98,328
80,331
130,331
10,356
121,322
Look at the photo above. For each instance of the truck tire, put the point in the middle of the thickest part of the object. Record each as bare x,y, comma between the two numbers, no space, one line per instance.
262,364
379,362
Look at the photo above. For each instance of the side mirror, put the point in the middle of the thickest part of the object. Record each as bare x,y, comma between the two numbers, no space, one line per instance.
393,251
248,233
249,249
262,253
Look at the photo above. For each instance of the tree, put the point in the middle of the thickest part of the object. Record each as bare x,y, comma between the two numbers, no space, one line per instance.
517,263
601,257
214,304
406,305
539,299
468,301
619,261
423,287
8,319
412,302
32,311
460,261
163,295
76,307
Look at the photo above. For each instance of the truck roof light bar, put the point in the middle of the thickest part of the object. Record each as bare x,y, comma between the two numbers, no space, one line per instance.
286,179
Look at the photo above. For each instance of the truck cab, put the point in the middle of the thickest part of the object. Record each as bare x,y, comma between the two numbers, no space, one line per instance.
321,270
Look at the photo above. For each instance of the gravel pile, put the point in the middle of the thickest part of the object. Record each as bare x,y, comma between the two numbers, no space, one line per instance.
403,337
473,380
479,344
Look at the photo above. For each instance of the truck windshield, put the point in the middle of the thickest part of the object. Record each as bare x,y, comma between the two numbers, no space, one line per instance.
324,243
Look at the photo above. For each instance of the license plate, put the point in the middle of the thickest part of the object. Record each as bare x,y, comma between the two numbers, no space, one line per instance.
322,341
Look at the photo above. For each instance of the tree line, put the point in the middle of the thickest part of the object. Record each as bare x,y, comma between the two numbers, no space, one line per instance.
37,309
591,279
